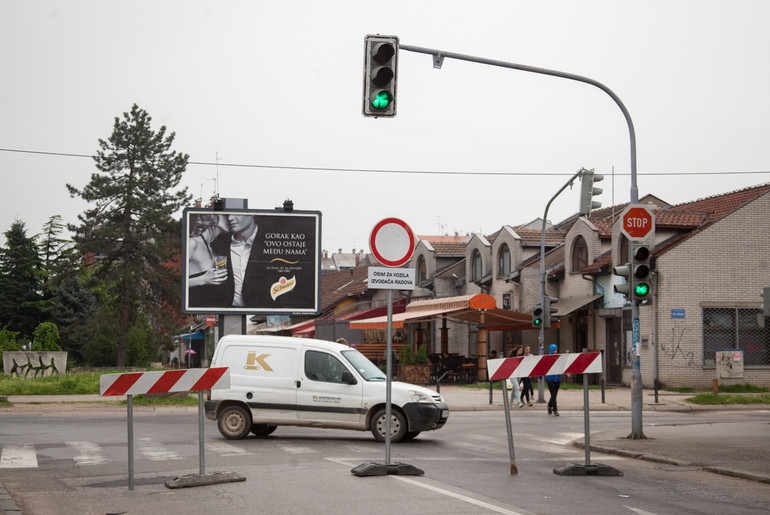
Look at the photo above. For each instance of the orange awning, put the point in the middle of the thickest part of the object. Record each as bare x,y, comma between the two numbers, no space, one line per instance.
466,309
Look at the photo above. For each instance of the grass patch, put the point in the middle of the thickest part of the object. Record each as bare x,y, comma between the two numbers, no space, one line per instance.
706,399
743,388
141,400
71,383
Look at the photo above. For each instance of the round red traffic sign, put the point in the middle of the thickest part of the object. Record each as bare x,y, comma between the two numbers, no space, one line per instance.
211,320
392,242
637,222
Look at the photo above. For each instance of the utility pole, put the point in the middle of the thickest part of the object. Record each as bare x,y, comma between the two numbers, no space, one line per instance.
438,60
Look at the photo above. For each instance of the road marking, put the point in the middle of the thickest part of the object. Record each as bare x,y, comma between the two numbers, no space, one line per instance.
89,453
226,449
296,449
448,493
156,451
18,457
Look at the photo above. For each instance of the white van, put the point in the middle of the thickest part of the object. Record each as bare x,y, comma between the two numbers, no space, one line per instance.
277,381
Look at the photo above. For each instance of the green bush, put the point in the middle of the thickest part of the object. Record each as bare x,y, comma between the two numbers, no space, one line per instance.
407,356
421,357
46,338
7,343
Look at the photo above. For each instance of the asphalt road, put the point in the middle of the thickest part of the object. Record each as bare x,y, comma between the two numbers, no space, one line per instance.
81,467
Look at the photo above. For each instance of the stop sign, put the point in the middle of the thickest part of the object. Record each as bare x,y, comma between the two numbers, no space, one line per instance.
637,222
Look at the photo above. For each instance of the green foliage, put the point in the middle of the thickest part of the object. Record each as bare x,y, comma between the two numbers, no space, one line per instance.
742,388
421,357
173,400
22,305
133,223
46,338
407,356
61,384
711,399
7,343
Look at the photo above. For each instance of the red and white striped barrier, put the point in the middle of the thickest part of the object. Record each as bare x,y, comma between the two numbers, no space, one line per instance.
553,364
185,380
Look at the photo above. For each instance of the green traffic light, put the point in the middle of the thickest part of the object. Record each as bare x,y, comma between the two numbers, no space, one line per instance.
642,289
538,321
382,100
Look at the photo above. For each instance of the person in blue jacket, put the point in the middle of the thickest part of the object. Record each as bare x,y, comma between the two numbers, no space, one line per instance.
553,383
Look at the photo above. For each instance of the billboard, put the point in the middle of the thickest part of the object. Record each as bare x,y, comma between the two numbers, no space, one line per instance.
246,261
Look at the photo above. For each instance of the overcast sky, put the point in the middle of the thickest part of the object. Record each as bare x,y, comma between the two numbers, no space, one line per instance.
279,84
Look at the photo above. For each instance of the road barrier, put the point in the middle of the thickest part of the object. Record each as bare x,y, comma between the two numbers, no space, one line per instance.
184,380
584,363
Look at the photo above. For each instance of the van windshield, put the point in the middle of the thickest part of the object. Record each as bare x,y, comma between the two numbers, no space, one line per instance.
366,368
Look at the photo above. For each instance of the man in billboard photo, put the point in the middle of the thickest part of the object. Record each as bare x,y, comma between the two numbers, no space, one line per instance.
245,283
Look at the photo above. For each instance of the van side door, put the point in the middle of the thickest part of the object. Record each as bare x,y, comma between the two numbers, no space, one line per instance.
329,391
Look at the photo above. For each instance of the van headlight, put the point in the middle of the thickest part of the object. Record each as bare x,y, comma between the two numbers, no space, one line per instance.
420,396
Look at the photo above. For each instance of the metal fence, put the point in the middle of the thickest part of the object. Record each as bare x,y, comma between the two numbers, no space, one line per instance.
736,328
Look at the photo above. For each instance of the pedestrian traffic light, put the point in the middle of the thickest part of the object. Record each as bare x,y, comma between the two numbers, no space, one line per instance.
380,70
548,310
625,272
641,286
587,191
537,316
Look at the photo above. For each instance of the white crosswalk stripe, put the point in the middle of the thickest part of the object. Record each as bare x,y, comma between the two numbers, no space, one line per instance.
88,453
156,451
226,449
18,457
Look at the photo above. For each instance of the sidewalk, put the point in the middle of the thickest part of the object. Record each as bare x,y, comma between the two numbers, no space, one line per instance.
738,450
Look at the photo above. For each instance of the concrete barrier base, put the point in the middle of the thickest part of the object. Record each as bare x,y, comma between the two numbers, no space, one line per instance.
210,478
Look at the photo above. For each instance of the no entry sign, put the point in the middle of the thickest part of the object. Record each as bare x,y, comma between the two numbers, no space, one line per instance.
637,222
392,242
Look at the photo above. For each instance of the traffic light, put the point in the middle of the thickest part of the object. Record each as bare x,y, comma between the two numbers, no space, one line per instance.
587,191
641,286
537,316
548,310
380,70
625,272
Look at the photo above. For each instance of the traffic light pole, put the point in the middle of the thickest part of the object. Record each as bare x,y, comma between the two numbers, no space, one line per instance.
438,60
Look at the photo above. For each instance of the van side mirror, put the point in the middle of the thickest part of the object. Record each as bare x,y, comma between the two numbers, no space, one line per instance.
348,378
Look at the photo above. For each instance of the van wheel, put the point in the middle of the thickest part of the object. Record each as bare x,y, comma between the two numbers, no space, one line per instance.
262,429
378,425
234,422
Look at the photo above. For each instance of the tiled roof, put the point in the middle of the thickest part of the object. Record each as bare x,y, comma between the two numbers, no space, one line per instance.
533,236
340,285
449,249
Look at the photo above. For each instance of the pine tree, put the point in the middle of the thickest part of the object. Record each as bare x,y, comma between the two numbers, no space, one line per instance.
131,233
21,299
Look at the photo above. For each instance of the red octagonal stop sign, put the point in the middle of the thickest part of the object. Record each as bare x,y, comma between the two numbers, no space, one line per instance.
637,222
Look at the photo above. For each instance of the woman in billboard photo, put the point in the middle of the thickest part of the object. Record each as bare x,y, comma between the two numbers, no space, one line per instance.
206,270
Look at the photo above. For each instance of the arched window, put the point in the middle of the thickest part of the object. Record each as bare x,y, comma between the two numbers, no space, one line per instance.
503,261
422,272
476,266
579,254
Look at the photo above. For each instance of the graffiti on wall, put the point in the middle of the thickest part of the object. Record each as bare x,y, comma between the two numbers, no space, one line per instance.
25,369
674,351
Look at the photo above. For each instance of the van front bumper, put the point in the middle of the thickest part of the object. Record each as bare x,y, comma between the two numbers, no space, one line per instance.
423,416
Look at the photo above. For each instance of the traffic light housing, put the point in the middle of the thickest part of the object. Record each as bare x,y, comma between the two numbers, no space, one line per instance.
641,285
548,310
587,191
766,300
624,271
537,316
380,71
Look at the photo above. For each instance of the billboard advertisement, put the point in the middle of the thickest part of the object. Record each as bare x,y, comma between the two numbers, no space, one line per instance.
250,261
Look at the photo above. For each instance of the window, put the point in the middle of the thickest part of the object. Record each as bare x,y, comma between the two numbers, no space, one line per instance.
320,366
476,266
750,333
503,261
422,273
579,254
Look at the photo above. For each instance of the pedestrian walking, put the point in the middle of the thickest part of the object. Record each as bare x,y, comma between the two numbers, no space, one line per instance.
553,382
526,382
514,381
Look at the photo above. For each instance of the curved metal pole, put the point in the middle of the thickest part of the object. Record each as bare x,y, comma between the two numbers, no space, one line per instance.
438,60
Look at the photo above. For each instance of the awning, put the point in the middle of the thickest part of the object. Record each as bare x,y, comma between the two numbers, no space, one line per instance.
470,309
567,305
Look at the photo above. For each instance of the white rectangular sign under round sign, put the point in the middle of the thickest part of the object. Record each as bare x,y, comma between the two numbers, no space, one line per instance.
384,278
